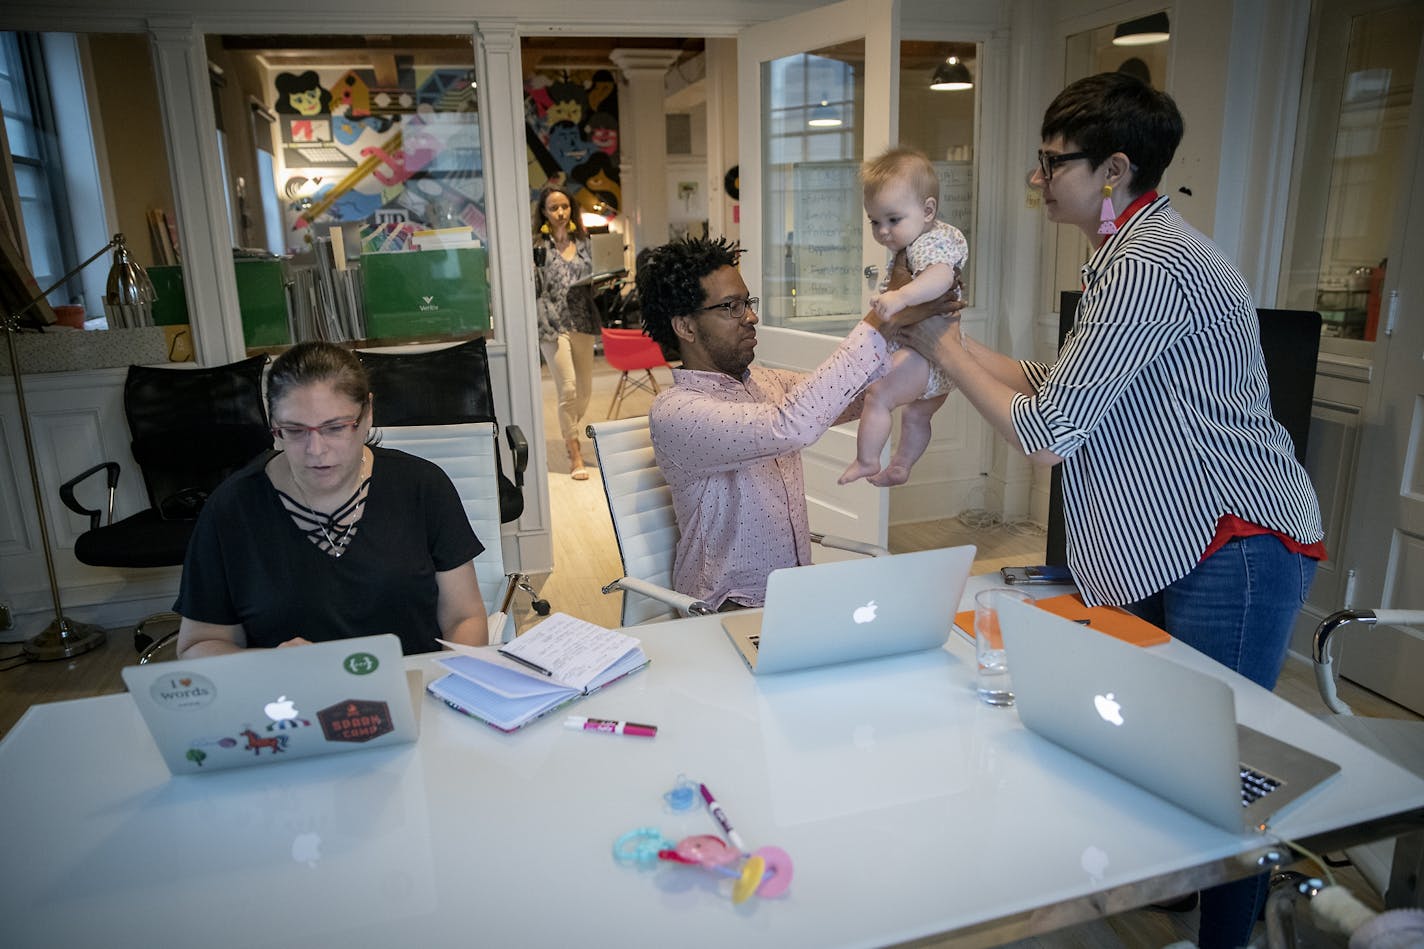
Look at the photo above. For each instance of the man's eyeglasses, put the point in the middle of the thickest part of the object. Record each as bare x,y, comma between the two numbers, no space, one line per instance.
735,309
329,431
1047,161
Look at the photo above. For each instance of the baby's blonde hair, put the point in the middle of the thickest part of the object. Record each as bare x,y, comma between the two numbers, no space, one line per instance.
909,165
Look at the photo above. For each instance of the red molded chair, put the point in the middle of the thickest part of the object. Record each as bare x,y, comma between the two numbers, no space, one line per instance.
631,351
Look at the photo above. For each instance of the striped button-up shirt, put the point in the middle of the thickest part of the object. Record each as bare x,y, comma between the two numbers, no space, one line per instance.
730,449
1159,406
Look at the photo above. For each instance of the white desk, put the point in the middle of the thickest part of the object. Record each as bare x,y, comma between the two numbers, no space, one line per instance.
910,809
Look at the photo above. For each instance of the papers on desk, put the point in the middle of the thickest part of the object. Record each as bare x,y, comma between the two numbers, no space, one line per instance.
554,663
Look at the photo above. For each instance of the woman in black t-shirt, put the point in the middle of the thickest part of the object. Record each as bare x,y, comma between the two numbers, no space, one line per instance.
329,537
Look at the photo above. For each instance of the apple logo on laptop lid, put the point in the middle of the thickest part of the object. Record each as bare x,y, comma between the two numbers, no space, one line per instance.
1109,708
865,614
283,713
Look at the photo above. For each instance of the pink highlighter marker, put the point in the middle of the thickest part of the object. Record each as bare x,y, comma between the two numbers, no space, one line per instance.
580,723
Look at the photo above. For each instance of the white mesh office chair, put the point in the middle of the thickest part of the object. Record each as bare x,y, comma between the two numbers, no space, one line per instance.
1395,868
466,452
640,504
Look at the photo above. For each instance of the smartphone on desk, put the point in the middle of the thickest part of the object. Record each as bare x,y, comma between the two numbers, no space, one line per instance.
1037,573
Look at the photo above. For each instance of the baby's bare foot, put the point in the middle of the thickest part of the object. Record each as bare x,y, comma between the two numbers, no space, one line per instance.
891,476
858,469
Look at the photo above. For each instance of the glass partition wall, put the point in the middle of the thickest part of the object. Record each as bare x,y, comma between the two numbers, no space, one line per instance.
939,115
355,186
74,104
1351,162
813,129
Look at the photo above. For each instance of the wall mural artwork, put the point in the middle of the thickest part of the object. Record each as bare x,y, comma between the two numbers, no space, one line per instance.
571,130
396,157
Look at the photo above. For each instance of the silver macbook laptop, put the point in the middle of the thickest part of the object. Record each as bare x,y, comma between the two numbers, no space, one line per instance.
607,253
852,609
262,706
1162,726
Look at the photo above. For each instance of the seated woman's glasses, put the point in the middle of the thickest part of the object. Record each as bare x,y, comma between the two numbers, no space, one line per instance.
298,434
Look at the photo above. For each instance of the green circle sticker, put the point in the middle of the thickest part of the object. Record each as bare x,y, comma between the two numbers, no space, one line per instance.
360,663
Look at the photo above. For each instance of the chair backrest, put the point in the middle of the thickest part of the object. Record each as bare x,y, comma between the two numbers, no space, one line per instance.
631,350
1290,343
439,387
465,452
191,428
640,505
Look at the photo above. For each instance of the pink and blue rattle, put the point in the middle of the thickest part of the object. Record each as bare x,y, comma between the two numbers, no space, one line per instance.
765,872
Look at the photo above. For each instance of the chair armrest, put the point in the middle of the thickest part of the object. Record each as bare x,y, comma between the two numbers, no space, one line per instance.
1320,646
684,604
845,543
498,633
518,450
66,492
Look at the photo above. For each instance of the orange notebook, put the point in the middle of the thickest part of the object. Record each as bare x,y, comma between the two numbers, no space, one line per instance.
1105,619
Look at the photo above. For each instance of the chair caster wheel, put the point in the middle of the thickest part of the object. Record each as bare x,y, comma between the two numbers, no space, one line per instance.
541,607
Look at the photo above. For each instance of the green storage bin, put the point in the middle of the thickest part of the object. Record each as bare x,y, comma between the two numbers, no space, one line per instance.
426,292
261,298
170,308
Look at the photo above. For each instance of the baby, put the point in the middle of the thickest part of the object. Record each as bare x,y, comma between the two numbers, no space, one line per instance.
901,196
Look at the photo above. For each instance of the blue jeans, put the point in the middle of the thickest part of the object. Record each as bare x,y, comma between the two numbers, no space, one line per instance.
1237,607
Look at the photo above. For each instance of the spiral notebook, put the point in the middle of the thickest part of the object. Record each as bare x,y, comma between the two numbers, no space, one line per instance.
556,662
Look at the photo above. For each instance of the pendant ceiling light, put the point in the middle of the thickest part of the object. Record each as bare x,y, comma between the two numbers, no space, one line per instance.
951,76
824,116
1143,32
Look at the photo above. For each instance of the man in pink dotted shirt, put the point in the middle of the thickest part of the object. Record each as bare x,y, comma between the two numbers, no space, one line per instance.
728,435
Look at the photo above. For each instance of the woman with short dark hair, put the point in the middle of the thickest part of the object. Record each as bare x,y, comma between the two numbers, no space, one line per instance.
1182,495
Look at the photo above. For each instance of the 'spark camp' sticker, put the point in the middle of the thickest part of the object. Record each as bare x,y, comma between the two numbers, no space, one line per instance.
183,690
355,720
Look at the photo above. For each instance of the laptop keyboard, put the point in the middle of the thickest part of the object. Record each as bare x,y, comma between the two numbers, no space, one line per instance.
1255,785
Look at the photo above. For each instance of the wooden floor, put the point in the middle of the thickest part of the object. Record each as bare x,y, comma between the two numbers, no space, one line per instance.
586,557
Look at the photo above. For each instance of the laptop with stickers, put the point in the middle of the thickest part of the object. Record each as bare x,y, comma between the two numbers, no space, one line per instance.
263,706
1166,728
850,610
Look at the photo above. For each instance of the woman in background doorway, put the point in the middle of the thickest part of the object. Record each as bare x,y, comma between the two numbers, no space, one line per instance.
568,322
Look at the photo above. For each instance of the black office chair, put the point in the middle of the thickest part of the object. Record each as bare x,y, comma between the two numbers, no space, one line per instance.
450,386
1290,343
190,429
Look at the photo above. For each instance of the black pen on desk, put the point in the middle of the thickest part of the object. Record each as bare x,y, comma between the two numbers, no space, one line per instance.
525,662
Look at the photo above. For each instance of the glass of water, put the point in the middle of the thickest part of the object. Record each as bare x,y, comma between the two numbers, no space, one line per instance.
993,683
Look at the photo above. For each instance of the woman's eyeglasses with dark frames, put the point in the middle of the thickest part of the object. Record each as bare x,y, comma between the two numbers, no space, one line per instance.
1047,161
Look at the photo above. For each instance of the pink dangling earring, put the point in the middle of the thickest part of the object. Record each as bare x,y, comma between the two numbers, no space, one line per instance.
1107,217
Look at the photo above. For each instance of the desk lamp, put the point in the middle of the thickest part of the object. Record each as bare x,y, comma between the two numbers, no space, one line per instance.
129,288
